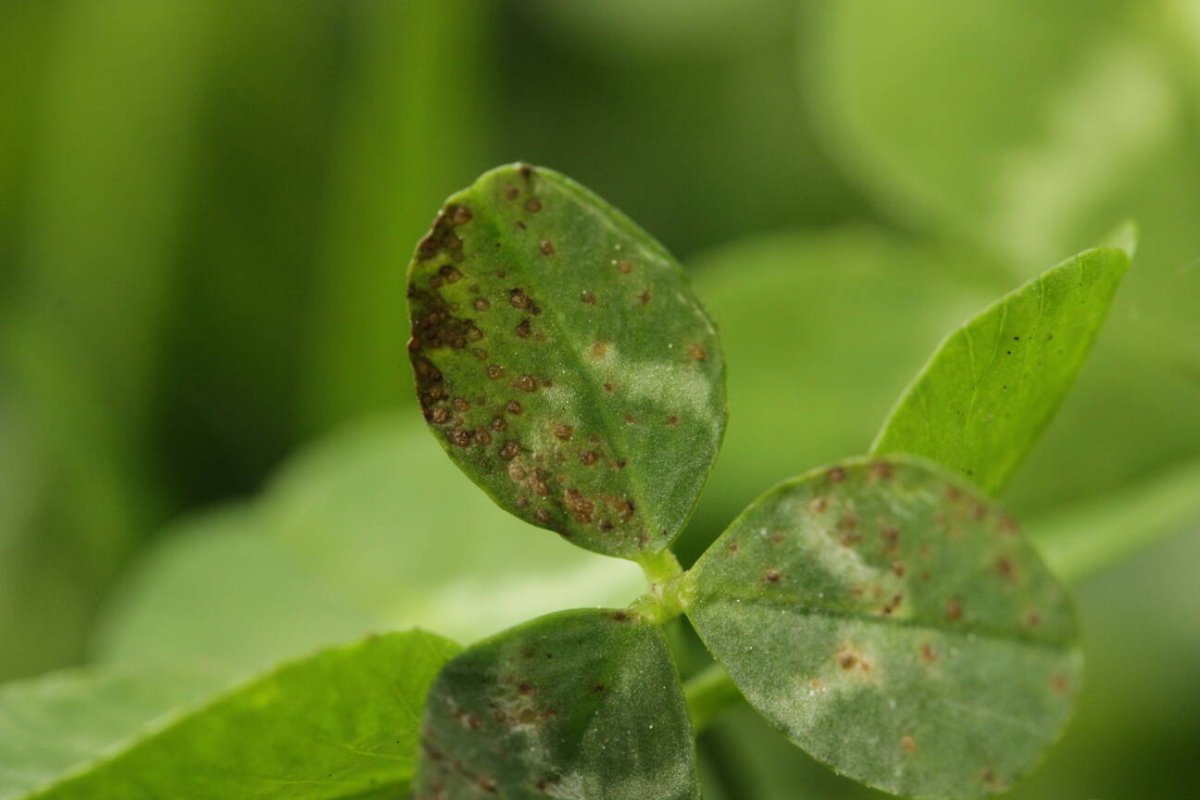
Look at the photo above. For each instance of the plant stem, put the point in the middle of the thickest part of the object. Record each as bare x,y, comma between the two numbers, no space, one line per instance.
664,600
1084,539
708,693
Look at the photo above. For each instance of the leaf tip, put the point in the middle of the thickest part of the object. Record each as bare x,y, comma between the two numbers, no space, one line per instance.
1124,237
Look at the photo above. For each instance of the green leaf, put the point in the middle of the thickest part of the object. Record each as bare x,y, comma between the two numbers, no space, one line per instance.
368,529
580,704
340,724
894,625
101,708
981,402
563,361
773,298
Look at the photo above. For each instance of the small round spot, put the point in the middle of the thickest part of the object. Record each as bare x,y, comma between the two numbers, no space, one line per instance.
513,407
495,371
533,205
526,383
588,297
546,247
482,304
624,266
564,432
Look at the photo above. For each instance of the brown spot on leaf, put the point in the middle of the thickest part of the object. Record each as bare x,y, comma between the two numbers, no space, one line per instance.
881,470
772,576
599,349
624,266
836,475
440,415
579,507
898,569
523,329
954,610
588,297
518,299
818,504
512,193
696,352
526,383
564,432
510,450
1060,685
644,297
533,205
495,371
908,744
1006,568
673,421
482,304
546,247
928,654
588,457
513,407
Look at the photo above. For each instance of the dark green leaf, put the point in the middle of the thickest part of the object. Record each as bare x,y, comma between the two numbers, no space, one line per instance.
579,704
981,402
564,363
893,624
340,724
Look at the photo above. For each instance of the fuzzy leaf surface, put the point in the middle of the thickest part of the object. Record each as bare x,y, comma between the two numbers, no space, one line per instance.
563,361
982,401
340,724
579,704
893,624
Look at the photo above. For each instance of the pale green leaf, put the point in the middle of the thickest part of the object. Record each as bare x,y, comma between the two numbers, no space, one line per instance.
60,724
894,625
340,724
369,529
578,704
563,361
828,306
981,402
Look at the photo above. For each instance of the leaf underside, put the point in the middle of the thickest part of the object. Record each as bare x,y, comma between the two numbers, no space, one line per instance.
893,624
341,724
981,402
579,704
563,361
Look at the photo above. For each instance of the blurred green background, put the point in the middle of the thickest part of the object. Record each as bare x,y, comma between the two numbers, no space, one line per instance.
208,446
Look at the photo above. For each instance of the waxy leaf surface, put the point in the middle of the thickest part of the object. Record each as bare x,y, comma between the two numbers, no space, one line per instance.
894,625
983,399
563,361
579,704
340,724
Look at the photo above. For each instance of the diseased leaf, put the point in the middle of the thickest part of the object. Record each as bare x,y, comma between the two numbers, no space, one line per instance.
563,361
981,402
578,704
894,625
340,724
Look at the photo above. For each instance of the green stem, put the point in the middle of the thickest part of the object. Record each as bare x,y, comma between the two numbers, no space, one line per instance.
664,600
708,693
1082,540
